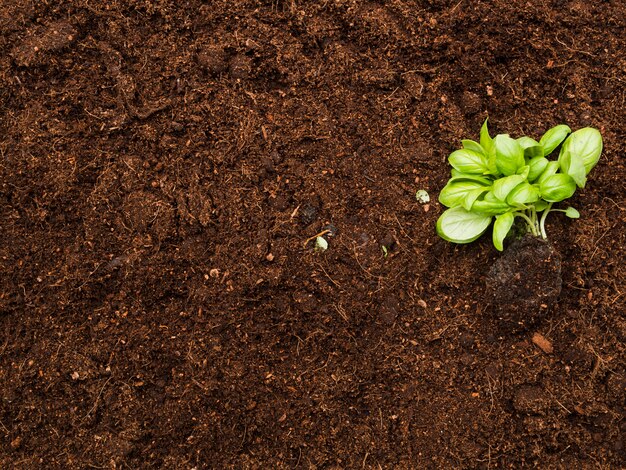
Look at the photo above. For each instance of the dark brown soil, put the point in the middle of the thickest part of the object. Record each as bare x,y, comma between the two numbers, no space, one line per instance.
161,166
524,284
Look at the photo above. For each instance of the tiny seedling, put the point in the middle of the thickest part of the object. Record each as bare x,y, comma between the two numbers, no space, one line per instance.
321,244
507,178
422,196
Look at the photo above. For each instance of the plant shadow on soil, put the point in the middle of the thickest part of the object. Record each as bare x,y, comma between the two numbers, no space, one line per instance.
162,165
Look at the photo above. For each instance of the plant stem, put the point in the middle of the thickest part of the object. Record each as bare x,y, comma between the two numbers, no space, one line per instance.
542,222
530,223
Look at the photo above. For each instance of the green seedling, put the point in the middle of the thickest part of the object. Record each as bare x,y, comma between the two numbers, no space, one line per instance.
503,178
321,244
422,196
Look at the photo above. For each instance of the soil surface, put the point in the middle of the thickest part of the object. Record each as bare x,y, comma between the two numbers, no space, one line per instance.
524,284
162,165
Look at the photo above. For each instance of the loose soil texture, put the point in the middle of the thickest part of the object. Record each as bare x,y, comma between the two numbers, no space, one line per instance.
163,163
524,284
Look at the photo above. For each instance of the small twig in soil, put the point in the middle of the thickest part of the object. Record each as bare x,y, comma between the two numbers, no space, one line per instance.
328,276
243,439
560,404
402,229
572,49
598,241
341,313
490,393
356,257
455,7
97,398
323,232
5,428
432,70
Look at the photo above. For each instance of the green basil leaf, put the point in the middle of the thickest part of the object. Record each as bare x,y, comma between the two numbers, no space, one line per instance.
537,165
572,213
455,191
572,164
473,145
489,205
486,142
557,187
523,171
491,162
458,176
460,226
553,137
531,147
509,155
523,193
551,168
585,143
501,228
540,205
471,196
491,197
503,186
468,161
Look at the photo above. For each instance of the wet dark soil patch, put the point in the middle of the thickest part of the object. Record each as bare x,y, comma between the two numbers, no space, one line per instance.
524,284
161,166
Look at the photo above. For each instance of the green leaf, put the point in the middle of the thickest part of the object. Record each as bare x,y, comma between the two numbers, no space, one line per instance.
557,187
468,161
491,162
537,165
486,142
551,168
585,143
471,196
553,137
489,205
460,226
572,164
509,155
572,213
458,176
491,197
473,145
503,186
540,205
523,171
524,193
531,147
455,191
501,228
527,142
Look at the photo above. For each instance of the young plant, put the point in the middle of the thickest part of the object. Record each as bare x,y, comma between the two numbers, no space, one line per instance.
506,178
